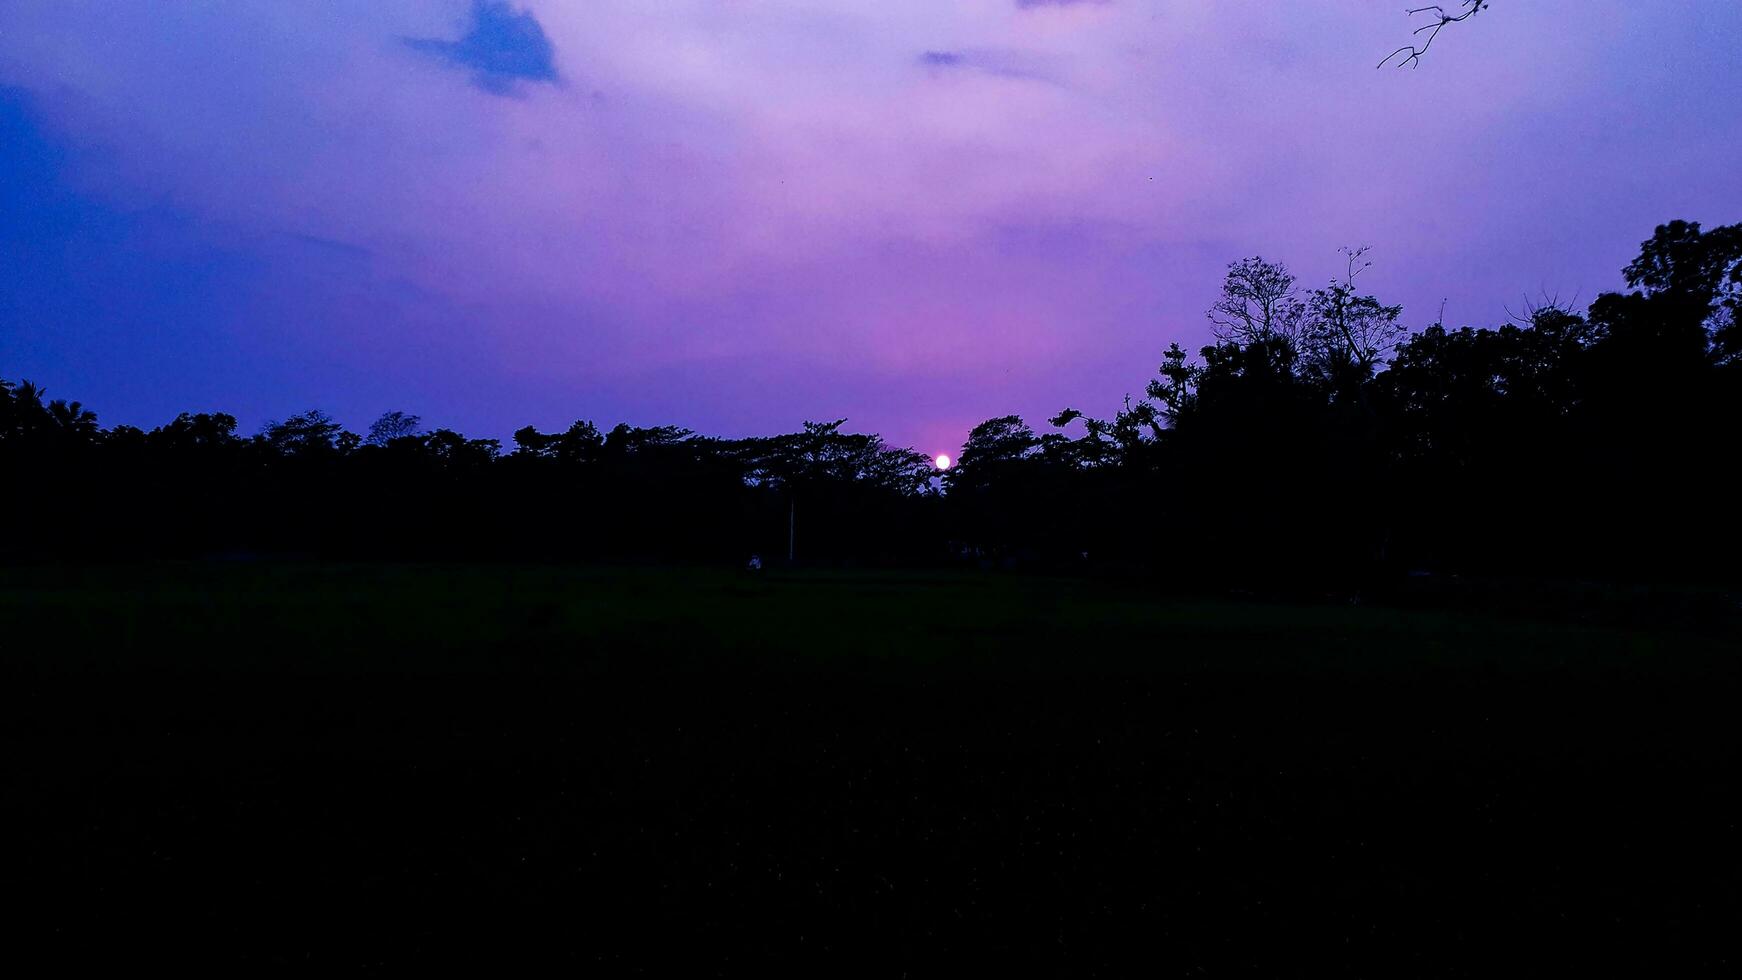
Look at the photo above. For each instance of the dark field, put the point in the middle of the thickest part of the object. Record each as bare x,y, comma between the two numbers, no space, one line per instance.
905,774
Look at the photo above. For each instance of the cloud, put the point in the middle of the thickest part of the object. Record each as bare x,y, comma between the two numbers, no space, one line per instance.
1001,62
784,210
504,47
330,246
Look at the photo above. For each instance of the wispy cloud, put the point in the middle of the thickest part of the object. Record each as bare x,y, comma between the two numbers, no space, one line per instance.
1002,62
786,210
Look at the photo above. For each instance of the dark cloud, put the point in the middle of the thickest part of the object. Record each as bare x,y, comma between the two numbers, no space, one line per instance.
504,47
992,61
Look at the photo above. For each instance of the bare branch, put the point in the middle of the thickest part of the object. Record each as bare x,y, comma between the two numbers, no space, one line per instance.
1549,302
1259,302
1411,54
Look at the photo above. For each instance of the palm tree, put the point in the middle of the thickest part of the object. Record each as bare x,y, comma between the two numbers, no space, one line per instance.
72,419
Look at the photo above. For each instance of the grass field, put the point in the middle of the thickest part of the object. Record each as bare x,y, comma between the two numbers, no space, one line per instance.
904,773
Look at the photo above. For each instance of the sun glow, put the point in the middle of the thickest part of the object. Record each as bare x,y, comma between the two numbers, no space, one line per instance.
943,462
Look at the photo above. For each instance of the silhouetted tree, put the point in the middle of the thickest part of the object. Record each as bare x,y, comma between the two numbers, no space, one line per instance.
196,433
1259,303
310,434
390,426
455,451
1314,446
580,443
1703,271
73,420
1346,335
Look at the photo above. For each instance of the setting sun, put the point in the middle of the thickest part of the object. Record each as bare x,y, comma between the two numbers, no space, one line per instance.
943,462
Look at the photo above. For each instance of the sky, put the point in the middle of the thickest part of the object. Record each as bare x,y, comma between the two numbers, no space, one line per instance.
737,215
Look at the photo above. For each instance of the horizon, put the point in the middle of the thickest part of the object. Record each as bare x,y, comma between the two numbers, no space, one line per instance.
737,219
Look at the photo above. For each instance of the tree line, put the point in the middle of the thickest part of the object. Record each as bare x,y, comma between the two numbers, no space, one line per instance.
1316,440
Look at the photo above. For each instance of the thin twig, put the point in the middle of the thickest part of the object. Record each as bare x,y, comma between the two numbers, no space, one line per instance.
1412,54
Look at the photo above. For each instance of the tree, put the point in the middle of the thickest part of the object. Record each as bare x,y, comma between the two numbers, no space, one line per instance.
1346,335
1700,270
72,420
195,433
312,433
580,443
625,440
1311,445
456,451
391,426
1259,302
823,454
993,448
22,414
1173,388
1095,448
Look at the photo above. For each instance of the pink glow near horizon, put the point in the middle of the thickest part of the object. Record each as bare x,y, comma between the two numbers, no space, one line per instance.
736,216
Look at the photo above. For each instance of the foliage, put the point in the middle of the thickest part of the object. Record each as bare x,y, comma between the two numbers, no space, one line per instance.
1314,445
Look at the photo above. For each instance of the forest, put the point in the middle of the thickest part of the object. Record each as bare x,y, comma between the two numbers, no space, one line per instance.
1318,438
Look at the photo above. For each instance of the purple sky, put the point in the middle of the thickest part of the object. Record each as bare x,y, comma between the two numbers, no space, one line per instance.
736,215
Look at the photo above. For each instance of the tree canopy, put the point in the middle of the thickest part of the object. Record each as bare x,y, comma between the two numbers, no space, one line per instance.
1314,440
